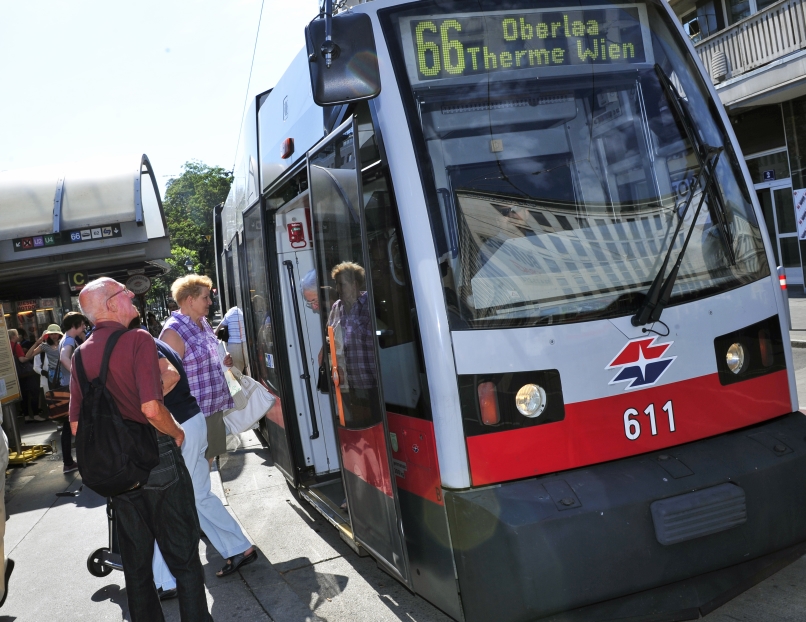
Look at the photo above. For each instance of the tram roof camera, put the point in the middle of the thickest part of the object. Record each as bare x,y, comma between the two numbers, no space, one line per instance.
343,68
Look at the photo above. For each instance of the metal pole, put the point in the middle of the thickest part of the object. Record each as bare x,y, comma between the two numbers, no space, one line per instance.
64,293
10,424
785,295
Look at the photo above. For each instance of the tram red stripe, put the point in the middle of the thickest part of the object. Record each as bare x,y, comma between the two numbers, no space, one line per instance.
415,461
363,453
275,413
594,431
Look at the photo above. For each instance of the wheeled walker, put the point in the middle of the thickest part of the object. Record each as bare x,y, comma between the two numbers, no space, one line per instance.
106,559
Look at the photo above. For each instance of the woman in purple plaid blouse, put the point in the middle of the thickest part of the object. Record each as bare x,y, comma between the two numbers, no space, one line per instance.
190,335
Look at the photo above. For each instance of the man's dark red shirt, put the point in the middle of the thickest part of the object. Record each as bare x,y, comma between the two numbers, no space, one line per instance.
134,372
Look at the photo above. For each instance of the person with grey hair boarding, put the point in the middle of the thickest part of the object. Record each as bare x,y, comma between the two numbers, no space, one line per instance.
163,507
309,291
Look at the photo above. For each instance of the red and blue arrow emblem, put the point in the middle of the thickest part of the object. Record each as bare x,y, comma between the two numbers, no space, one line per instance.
641,363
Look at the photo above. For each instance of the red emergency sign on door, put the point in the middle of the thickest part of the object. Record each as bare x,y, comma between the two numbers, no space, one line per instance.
296,235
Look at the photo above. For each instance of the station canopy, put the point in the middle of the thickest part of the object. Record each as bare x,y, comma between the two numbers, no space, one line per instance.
102,217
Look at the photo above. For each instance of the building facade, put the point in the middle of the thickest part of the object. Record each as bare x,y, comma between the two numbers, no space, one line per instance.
755,54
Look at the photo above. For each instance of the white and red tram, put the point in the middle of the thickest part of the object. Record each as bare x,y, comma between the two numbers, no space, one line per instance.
553,373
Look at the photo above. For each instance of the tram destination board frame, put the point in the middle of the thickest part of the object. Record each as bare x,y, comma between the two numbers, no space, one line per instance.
67,238
458,47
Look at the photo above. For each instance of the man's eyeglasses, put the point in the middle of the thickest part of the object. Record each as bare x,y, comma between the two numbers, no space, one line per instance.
310,303
120,291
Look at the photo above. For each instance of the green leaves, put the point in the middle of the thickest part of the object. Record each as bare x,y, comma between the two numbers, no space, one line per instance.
188,203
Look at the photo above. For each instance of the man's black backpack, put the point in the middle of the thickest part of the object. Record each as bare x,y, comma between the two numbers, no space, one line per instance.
113,454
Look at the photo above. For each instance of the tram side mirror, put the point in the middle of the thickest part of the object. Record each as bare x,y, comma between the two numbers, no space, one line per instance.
353,74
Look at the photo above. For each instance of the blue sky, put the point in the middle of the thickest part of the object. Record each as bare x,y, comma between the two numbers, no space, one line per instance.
166,78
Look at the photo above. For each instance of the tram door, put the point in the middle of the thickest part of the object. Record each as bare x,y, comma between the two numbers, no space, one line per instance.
304,338
349,330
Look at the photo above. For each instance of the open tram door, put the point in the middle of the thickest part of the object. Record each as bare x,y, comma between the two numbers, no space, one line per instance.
349,330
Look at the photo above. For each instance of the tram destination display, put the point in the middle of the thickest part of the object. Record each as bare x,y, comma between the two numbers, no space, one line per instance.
451,46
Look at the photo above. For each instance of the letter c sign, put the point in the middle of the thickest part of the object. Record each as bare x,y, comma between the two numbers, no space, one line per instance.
77,280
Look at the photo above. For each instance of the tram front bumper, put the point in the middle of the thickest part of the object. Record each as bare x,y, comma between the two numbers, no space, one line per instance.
586,539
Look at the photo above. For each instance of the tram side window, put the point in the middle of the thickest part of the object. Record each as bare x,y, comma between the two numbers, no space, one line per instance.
261,344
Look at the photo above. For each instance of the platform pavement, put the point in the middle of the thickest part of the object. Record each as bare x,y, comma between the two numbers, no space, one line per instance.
304,572
797,312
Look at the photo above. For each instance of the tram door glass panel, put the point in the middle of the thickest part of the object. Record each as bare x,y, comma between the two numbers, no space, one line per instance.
778,207
558,162
350,352
261,343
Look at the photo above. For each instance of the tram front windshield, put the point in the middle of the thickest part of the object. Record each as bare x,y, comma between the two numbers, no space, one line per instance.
559,149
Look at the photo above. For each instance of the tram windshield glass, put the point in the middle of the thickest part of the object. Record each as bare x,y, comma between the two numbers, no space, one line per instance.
560,148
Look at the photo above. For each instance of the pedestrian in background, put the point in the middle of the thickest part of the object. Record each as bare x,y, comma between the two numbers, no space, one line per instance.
233,322
153,326
73,325
29,384
163,508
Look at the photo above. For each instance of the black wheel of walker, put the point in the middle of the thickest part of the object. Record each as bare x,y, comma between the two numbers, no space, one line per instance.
95,566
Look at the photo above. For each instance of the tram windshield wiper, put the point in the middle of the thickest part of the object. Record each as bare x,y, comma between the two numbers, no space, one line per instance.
659,293
700,150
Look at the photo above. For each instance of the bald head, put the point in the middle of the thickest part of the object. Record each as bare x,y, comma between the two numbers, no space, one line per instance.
106,299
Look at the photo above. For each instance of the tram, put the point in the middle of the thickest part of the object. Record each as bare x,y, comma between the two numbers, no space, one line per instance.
503,269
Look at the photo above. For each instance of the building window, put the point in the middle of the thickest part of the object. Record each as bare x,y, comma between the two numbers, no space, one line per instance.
739,9
691,25
703,19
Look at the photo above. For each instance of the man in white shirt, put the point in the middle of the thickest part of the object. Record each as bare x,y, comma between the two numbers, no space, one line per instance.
233,320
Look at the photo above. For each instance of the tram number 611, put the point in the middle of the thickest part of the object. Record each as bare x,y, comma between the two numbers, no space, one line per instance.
632,427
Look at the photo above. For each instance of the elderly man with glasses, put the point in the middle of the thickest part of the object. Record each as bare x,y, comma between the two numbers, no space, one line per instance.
163,510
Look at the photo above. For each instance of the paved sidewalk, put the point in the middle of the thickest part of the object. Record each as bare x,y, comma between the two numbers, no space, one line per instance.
797,312
304,572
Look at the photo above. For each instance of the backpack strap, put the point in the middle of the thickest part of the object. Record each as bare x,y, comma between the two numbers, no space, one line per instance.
82,374
110,345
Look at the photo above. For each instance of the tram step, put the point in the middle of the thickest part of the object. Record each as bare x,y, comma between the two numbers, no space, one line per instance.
699,513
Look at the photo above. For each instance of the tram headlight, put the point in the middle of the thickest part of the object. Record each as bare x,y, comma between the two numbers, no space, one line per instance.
530,400
735,358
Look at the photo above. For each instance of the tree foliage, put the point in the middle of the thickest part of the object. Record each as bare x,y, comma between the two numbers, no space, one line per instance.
188,203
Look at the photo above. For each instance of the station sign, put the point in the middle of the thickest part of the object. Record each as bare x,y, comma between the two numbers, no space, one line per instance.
26,305
138,284
76,281
66,238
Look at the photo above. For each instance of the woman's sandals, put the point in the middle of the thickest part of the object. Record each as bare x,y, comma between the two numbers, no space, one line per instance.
236,561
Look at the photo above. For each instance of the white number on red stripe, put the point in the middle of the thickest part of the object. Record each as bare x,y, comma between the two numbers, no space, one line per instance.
632,427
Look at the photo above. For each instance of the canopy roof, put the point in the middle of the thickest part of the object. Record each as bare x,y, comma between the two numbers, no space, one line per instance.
37,201
90,214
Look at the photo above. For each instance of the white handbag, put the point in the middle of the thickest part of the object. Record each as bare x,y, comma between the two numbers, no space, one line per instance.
258,402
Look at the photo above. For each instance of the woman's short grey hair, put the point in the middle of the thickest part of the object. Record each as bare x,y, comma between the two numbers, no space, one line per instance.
308,282
12,332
